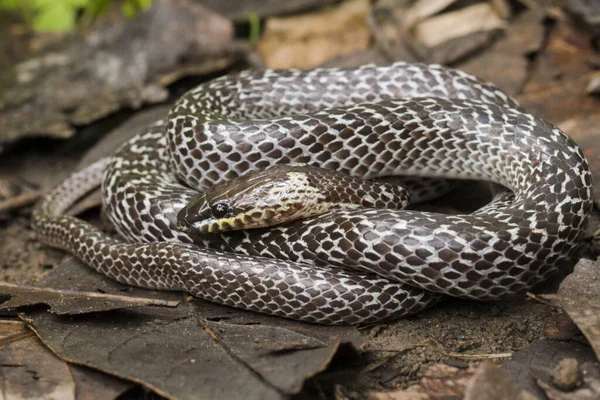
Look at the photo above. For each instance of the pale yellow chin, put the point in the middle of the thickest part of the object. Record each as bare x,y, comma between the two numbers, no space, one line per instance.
235,223
258,219
220,225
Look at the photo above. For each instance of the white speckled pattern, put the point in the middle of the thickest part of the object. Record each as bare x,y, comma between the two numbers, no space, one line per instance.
407,119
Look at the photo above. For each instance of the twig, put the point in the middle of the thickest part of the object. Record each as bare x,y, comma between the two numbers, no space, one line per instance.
541,300
490,356
374,366
24,199
460,356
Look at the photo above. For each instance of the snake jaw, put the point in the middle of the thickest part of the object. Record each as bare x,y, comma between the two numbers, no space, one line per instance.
192,215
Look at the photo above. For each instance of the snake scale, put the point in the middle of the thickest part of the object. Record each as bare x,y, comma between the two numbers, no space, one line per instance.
346,266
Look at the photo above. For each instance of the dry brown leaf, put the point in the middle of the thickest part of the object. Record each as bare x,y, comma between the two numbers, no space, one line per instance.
505,63
71,302
492,383
438,381
308,40
423,9
14,195
579,296
556,88
119,63
589,389
477,18
197,350
94,385
28,369
536,362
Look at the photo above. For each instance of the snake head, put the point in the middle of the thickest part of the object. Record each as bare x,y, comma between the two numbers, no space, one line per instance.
259,199
283,193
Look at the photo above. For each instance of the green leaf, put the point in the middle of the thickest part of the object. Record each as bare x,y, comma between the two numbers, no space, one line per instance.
12,4
61,16
129,9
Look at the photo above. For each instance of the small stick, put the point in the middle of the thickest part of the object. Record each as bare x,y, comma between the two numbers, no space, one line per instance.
24,199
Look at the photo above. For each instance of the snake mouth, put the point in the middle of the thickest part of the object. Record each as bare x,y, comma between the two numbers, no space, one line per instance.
199,217
194,215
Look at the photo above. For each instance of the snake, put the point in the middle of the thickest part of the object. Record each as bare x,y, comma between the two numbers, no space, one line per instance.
346,266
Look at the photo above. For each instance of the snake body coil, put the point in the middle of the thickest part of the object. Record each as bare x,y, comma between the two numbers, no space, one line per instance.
403,119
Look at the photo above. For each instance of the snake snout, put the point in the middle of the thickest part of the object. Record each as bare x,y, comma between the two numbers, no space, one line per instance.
194,213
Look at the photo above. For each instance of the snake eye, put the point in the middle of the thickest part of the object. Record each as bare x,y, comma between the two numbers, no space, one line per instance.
220,210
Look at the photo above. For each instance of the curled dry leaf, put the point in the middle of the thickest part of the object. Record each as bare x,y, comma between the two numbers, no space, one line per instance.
578,296
424,32
308,40
424,9
439,29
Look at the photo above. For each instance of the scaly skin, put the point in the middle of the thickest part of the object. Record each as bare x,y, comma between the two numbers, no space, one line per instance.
376,121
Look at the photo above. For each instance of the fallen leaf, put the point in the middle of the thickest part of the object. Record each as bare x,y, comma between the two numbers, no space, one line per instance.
118,63
308,40
15,195
423,9
386,21
396,28
197,350
537,361
71,302
492,383
555,90
578,295
505,63
28,369
589,389
476,18
94,385
458,49
586,11
437,381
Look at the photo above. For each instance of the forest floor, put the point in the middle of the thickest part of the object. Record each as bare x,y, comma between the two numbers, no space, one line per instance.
67,100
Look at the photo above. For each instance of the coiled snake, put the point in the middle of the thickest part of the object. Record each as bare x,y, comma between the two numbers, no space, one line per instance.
402,119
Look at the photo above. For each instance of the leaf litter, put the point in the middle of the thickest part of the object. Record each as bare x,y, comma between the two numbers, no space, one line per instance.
531,54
